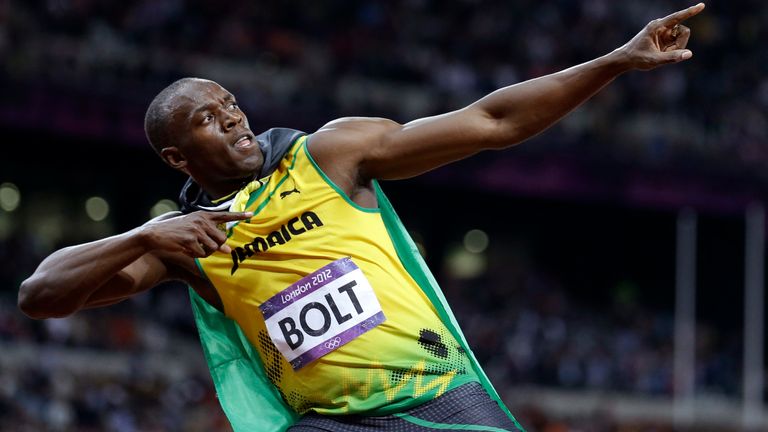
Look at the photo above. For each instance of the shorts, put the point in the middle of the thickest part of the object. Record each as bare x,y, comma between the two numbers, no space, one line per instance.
465,408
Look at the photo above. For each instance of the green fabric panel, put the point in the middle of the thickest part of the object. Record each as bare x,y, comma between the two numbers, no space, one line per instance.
246,395
413,262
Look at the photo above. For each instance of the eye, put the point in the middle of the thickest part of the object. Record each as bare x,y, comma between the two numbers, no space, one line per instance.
232,106
207,118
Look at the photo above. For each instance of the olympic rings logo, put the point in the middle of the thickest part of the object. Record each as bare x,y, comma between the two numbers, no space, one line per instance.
332,344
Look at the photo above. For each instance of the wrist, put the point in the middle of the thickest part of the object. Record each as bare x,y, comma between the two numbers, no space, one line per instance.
144,238
620,60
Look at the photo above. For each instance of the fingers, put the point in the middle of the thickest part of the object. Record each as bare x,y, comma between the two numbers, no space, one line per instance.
674,38
207,245
674,56
680,16
229,216
206,234
664,40
219,237
216,234
683,34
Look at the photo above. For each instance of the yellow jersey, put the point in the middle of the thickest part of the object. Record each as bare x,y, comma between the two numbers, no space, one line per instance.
317,286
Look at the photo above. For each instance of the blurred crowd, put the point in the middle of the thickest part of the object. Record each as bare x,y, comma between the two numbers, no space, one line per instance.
137,366
535,332
88,68
91,67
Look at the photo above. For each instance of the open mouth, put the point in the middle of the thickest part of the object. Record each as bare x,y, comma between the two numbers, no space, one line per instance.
244,142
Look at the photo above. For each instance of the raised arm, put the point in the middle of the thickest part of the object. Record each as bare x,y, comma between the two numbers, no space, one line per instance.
109,270
383,149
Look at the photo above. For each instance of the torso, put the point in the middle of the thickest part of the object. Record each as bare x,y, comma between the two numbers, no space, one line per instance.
385,346
360,192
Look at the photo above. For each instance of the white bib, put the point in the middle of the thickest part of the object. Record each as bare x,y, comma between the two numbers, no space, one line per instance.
321,312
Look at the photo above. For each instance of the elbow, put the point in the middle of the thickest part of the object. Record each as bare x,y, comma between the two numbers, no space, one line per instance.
33,303
27,301
499,133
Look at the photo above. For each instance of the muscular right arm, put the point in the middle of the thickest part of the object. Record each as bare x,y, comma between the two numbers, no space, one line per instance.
66,280
106,271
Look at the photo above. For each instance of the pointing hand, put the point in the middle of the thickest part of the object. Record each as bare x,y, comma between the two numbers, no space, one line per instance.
662,41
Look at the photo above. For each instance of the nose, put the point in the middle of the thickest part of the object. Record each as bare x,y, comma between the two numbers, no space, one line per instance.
231,119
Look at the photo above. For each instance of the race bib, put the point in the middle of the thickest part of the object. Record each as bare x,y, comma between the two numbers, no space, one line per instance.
321,312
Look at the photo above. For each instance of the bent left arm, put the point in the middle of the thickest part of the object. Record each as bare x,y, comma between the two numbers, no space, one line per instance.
355,150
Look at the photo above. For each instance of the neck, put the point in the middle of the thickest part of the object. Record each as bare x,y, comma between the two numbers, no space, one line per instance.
224,188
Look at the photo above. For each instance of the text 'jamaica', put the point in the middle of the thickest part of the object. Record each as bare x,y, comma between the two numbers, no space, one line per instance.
298,225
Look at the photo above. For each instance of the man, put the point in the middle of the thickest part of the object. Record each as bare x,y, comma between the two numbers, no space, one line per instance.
342,326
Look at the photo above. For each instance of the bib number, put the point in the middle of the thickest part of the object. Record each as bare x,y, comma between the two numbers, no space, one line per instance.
321,312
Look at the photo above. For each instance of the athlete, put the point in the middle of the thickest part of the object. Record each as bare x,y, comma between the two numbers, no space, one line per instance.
315,311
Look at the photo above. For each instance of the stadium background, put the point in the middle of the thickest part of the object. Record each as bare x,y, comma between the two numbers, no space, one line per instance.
558,256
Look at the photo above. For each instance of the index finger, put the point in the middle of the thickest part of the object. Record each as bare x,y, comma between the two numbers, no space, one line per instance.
680,16
231,216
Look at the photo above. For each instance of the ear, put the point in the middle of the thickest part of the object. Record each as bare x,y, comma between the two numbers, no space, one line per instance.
173,157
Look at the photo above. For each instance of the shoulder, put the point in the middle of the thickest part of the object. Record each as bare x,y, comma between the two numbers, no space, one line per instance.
343,146
344,127
351,138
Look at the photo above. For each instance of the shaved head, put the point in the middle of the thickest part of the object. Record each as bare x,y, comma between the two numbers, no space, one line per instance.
197,127
158,116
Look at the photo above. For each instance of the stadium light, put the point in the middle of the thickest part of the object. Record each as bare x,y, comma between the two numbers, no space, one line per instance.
10,197
463,264
162,207
476,241
97,208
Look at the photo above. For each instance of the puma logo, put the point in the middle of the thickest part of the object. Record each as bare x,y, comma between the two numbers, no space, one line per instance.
286,193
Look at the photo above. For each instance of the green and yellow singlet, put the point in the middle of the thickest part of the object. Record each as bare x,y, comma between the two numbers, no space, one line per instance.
316,285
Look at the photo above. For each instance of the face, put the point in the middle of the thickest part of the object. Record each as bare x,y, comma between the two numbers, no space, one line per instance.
211,138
